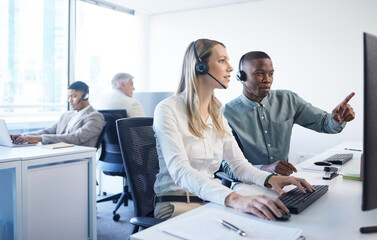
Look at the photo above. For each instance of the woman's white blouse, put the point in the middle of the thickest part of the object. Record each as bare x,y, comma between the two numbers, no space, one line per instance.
188,163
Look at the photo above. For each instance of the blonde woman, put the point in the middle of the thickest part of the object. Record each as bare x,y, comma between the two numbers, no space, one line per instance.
193,137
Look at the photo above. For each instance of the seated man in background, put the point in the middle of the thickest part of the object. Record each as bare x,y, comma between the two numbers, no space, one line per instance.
121,96
80,126
263,120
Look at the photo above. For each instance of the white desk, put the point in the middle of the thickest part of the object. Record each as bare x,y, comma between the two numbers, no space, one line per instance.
10,196
53,192
336,215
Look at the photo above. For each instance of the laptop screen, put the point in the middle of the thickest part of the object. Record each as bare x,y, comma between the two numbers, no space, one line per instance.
5,139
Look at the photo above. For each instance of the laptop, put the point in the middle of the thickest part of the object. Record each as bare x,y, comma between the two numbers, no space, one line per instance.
5,139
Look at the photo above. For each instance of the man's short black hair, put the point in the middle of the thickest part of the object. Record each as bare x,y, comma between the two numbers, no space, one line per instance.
79,86
248,57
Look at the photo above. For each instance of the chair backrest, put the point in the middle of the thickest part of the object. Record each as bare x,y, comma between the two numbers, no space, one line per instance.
110,160
138,148
100,137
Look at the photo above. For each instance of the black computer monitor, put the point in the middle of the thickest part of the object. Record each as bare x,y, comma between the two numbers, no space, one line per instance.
369,173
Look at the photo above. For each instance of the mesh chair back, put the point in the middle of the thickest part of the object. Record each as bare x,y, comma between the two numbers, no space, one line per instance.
138,148
100,137
111,162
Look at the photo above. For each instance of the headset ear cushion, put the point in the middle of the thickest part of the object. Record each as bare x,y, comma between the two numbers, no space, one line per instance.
201,68
241,76
85,97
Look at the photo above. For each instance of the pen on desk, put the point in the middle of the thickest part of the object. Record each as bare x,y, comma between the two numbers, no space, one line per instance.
232,227
353,149
368,229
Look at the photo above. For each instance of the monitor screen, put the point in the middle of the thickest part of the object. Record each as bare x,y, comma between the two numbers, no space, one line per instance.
369,195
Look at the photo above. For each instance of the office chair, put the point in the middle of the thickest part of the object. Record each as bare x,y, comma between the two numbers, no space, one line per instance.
227,180
138,148
100,137
99,142
110,161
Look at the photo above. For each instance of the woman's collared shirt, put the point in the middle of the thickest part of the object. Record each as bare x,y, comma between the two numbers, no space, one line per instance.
188,162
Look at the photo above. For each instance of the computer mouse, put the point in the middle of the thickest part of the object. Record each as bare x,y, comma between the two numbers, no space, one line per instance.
285,216
323,163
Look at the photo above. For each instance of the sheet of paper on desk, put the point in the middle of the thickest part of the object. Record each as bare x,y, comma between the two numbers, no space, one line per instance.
312,167
58,145
205,225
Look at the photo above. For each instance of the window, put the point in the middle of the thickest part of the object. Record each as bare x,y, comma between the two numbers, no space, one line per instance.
33,61
106,43
34,55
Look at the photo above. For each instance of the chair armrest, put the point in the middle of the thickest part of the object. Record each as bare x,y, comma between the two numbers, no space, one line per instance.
225,179
145,222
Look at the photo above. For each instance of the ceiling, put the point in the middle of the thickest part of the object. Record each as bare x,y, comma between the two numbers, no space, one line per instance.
153,7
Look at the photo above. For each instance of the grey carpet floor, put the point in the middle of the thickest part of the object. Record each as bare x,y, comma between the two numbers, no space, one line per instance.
107,228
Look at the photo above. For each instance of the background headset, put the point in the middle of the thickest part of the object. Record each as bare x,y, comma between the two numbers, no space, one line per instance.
241,76
201,67
85,97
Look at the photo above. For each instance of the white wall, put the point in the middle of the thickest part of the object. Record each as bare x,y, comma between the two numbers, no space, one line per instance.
315,45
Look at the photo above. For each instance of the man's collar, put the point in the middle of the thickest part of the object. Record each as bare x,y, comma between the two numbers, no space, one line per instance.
84,109
117,89
266,101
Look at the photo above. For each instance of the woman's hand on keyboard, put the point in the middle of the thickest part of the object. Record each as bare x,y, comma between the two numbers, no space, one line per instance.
263,206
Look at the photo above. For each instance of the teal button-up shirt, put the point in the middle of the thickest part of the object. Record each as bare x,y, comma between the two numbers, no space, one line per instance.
264,129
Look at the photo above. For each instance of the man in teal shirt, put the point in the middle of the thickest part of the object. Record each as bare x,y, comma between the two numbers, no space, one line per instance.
262,120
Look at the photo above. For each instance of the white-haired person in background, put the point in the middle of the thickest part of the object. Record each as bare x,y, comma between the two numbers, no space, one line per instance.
121,96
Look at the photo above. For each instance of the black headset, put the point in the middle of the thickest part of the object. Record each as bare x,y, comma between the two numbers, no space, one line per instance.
241,75
201,68
85,96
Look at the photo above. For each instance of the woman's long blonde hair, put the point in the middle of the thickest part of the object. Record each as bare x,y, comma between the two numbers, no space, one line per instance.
188,87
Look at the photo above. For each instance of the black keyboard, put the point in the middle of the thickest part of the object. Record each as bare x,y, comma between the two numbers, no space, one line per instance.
339,158
296,201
